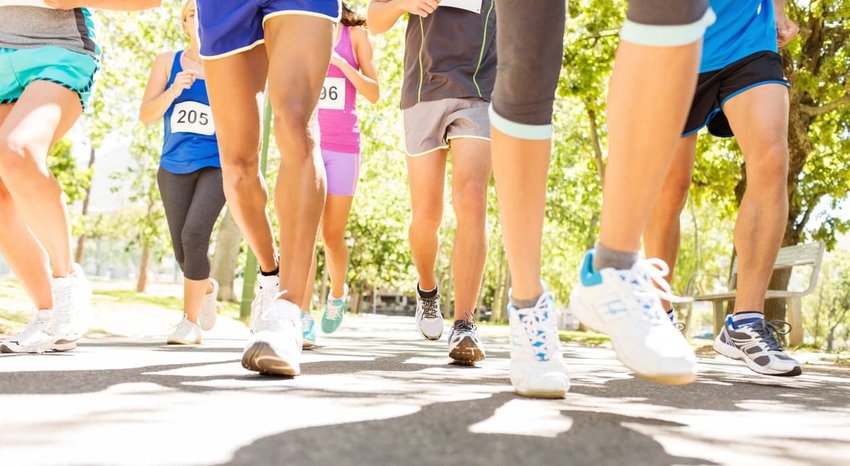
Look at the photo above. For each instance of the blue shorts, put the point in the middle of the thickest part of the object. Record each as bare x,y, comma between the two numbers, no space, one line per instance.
20,67
228,27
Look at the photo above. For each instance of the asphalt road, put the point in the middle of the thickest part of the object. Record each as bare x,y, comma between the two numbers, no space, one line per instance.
376,393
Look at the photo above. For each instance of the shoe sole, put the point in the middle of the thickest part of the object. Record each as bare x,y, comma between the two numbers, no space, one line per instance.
467,352
308,345
182,342
61,346
589,319
260,357
732,352
553,395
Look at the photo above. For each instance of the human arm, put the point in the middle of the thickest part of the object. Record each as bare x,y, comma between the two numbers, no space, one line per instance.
366,79
157,99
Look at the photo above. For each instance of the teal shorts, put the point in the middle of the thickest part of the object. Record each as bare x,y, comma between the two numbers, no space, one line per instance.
20,67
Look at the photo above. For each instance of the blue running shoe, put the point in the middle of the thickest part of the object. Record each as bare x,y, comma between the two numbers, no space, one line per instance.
334,312
308,327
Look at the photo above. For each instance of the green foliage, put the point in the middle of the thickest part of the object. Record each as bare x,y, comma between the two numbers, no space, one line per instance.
73,180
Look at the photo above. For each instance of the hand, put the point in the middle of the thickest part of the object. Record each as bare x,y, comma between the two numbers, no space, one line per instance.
182,81
64,4
421,8
337,60
786,30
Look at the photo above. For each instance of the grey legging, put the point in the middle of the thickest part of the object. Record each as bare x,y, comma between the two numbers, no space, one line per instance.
192,204
531,49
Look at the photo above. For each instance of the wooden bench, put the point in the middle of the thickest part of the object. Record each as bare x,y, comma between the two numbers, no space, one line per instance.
803,255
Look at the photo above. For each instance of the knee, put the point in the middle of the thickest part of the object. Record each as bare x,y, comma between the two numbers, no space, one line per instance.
292,119
426,219
236,171
14,157
333,235
470,201
195,263
770,166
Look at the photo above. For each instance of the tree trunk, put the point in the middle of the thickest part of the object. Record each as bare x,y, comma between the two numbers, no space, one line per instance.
142,282
81,240
227,245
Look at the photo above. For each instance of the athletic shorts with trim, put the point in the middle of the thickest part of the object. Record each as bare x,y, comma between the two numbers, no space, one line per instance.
342,170
21,67
715,88
430,125
227,27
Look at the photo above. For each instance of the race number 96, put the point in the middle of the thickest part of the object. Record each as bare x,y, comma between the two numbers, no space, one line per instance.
333,94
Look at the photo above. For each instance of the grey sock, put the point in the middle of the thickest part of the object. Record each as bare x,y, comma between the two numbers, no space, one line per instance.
524,303
606,258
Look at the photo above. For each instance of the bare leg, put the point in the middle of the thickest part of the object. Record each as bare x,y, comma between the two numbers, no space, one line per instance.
426,174
759,118
334,221
233,84
43,114
296,74
663,232
471,168
641,149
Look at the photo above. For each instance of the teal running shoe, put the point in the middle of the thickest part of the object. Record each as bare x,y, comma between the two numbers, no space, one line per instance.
308,327
334,311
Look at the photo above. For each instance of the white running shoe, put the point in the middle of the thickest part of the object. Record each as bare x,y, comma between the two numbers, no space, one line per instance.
625,305
429,319
36,337
538,369
71,306
185,333
209,308
275,346
267,291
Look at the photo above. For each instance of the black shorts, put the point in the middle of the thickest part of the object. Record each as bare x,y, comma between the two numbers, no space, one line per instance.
716,87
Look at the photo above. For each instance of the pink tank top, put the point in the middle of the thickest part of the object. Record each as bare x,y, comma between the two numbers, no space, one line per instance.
337,106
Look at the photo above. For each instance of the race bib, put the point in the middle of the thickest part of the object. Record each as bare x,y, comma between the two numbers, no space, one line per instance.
468,5
333,94
192,117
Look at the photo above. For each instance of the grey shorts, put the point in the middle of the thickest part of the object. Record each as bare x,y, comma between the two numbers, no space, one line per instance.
429,126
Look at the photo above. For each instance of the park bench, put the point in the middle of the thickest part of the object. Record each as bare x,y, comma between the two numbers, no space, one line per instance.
803,255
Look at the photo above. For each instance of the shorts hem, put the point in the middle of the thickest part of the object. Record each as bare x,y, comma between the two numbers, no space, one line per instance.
469,136
234,51
520,130
300,13
419,154
751,86
667,35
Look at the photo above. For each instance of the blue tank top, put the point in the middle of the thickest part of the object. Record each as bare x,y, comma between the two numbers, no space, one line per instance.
189,143
743,27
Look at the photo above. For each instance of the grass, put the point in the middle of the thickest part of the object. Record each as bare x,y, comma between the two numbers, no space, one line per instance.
584,338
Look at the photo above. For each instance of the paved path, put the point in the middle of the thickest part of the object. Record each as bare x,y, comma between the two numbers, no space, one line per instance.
375,393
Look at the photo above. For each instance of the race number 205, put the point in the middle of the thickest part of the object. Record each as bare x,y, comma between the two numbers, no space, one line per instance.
192,117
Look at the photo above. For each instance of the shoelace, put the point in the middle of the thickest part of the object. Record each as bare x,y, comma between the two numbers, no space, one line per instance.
306,319
332,310
647,273
465,326
63,296
540,334
35,325
770,332
429,307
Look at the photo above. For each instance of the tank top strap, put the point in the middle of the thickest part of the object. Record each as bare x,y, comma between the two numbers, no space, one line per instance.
176,67
346,46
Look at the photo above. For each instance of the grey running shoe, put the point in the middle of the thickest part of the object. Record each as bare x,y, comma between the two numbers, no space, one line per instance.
464,345
759,346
